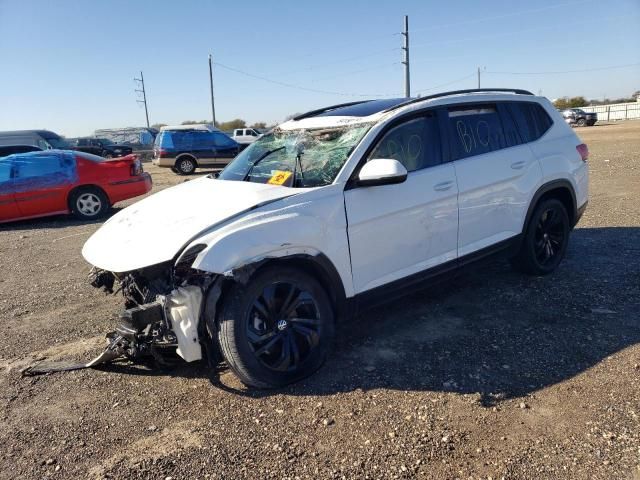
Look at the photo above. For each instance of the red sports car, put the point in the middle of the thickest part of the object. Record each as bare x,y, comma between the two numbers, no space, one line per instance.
52,182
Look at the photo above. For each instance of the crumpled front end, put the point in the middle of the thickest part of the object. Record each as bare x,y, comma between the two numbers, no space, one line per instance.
163,305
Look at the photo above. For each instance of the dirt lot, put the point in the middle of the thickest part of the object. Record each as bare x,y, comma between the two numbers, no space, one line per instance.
493,375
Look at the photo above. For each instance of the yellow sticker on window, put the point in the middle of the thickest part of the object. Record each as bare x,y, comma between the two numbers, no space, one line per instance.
279,177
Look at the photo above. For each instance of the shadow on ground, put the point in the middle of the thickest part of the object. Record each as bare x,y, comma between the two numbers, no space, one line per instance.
491,331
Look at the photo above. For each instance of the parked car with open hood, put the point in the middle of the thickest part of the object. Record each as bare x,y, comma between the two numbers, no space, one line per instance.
338,209
51,182
184,148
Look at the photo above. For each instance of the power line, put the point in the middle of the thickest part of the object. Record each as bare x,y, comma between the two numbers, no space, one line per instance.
505,15
446,84
297,87
558,72
475,38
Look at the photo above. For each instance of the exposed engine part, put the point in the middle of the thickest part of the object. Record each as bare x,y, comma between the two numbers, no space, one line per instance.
163,308
143,332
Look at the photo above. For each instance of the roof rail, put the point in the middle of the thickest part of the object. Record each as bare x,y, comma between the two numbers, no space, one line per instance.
313,113
459,92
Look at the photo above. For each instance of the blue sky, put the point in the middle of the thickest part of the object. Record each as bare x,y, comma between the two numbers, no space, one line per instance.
69,65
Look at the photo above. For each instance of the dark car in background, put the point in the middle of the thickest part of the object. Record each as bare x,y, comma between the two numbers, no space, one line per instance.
102,147
186,147
43,139
577,116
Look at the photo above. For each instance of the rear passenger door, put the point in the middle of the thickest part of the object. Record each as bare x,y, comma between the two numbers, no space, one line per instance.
496,171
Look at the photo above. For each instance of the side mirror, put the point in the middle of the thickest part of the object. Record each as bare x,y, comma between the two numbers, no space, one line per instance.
381,171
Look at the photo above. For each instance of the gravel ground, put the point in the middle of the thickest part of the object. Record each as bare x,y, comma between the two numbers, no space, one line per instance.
493,375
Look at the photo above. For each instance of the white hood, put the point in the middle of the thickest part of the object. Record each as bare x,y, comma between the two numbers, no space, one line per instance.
154,229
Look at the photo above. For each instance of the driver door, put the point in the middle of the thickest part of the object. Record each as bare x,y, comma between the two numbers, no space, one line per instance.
399,230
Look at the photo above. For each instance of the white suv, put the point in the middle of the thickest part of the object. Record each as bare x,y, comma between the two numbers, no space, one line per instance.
333,211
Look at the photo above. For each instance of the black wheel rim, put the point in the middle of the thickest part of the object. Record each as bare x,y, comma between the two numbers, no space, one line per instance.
283,326
549,237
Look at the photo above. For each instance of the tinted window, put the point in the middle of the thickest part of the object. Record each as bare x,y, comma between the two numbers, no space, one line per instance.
182,140
474,130
532,120
221,140
511,132
415,144
203,140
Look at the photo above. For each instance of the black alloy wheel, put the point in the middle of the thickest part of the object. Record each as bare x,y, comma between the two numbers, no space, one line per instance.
549,236
283,326
545,239
277,328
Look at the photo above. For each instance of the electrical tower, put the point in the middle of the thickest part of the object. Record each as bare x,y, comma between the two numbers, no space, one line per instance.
144,96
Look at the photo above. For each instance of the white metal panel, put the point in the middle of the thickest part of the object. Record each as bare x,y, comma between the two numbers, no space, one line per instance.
398,230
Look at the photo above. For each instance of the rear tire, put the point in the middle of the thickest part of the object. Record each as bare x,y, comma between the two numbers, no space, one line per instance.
89,203
277,329
545,239
185,166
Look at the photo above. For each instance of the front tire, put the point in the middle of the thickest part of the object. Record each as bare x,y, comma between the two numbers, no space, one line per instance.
277,329
545,240
89,203
582,122
185,166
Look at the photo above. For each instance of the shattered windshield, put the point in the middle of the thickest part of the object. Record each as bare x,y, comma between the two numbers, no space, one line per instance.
296,158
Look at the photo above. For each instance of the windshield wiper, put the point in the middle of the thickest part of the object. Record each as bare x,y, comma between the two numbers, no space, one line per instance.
262,157
295,168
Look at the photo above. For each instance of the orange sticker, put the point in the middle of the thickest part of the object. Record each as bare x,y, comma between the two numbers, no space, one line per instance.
279,177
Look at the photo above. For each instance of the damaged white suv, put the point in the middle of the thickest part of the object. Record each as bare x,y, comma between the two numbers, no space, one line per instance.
334,210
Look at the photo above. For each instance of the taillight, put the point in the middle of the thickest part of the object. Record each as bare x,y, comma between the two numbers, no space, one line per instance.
161,152
136,167
583,150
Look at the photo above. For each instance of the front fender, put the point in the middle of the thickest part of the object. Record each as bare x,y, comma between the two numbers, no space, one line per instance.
308,224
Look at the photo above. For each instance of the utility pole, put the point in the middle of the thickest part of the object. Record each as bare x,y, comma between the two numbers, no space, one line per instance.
405,62
478,77
213,108
144,96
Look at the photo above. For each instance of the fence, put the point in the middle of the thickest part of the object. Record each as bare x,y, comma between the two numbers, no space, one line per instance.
615,111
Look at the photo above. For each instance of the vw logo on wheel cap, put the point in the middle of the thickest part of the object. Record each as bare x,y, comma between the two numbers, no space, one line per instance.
282,324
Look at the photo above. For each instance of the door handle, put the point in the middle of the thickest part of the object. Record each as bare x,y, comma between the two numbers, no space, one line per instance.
518,165
443,186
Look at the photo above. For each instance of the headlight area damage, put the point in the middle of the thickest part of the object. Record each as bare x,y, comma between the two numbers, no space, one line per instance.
163,306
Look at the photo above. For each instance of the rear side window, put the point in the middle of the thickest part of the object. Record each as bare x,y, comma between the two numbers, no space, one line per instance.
222,140
415,143
474,130
531,118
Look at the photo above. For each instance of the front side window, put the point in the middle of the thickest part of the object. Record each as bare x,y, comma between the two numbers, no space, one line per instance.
296,158
415,144
474,130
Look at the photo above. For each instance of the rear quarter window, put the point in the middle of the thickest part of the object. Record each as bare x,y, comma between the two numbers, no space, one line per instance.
531,119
